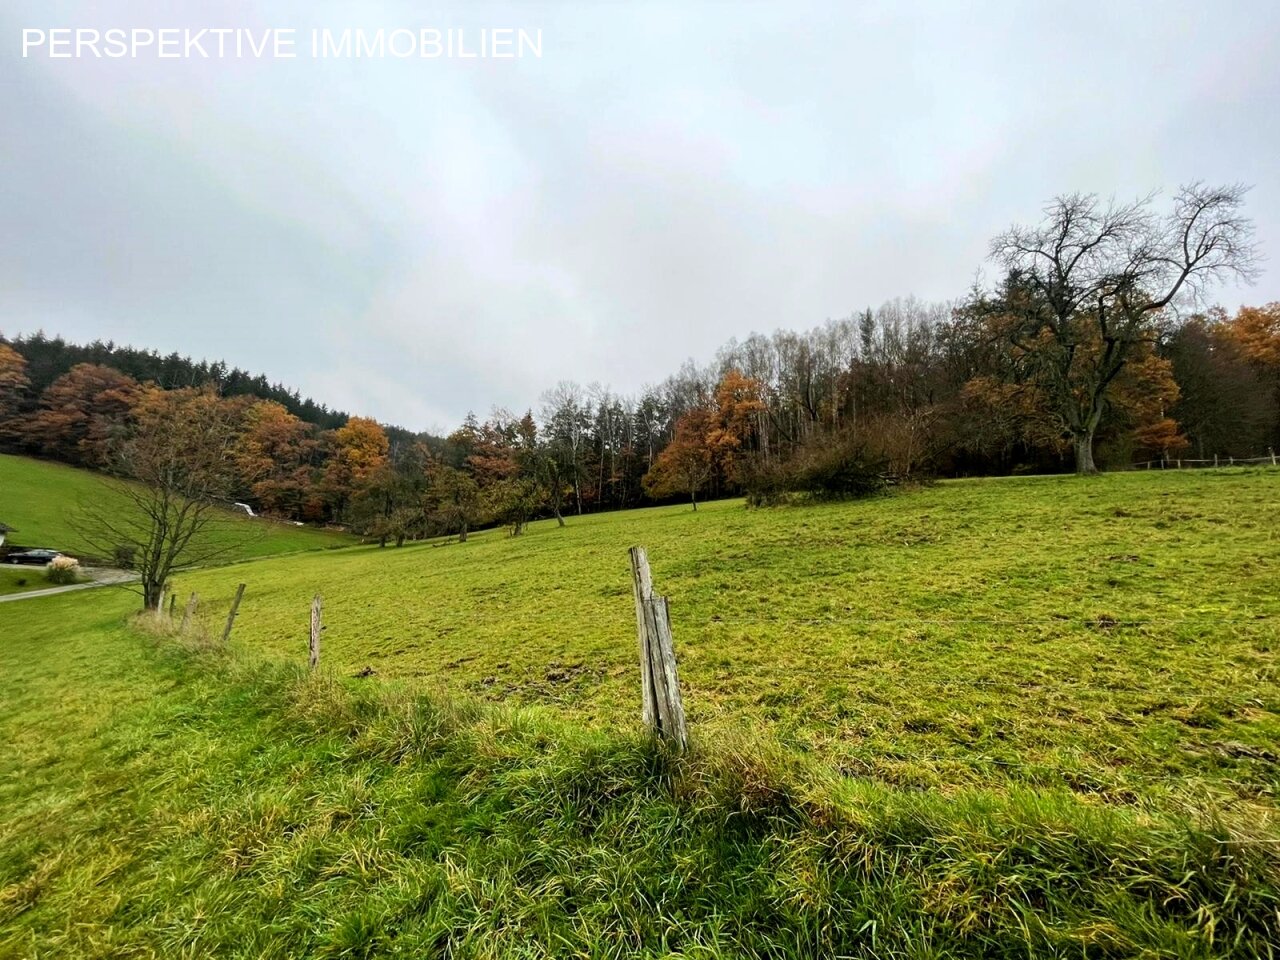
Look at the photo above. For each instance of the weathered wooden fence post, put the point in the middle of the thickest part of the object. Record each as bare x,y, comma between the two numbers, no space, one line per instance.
1215,459
316,627
662,705
191,610
642,587
231,617
1271,450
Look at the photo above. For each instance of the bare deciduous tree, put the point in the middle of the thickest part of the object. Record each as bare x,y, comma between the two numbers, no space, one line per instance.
1087,284
175,474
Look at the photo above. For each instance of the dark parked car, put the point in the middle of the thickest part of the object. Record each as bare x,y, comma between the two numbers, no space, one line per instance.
33,557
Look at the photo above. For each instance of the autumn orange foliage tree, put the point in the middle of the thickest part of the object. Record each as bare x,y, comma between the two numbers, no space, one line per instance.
274,457
738,403
708,440
684,466
81,413
13,385
358,451
1256,330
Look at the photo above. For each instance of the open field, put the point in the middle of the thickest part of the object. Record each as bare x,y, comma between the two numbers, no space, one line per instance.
1117,636
39,498
156,802
1080,673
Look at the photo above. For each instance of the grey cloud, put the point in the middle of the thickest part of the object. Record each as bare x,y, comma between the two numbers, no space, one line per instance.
417,239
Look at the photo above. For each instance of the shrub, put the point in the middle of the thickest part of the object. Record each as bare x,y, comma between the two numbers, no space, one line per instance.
826,468
766,483
63,570
125,556
841,471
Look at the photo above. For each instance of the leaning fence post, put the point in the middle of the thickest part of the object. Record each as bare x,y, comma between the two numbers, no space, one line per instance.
316,627
1271,450
190,611
173,604
642,587
662,665
663,706
231,617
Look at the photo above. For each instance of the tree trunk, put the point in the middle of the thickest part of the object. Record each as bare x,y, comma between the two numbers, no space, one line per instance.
559,519
1085,465
693,497
462,534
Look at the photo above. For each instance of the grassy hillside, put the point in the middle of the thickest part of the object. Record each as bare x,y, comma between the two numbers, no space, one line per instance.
38,498
158,803
22,579
1117,637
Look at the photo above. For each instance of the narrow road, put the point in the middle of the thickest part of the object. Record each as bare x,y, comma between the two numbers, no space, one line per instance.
101,578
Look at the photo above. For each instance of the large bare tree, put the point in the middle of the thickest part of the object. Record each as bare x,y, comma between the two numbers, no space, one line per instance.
175,475
1086,286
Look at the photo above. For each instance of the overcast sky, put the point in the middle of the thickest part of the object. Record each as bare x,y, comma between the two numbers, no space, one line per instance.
413,239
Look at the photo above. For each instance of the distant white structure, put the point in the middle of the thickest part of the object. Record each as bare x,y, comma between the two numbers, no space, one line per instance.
246,508
4,531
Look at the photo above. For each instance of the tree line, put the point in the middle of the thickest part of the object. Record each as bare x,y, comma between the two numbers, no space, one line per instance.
1083,354
50,357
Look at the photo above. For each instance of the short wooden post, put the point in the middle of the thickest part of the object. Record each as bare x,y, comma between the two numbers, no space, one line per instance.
231,617
316,627
190,611
1231,461
1271,450
173,604
1215,459
1179,463
160,603
663,706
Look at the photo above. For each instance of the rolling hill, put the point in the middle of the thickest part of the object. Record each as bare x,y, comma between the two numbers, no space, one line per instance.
39,498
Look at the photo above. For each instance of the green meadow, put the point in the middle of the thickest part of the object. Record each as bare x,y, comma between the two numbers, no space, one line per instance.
997,718
1115,636
22,579
39,499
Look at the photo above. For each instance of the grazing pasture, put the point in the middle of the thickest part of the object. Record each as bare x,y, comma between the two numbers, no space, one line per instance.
987,719
1116,636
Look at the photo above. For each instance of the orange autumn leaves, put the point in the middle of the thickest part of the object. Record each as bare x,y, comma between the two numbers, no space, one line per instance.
708,440
288,466
1256,331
